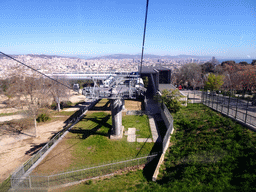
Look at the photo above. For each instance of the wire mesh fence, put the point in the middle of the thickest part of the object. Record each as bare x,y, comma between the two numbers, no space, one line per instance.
40,181
237,108
17,176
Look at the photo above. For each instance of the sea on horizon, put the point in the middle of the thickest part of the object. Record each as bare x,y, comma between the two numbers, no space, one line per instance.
249,61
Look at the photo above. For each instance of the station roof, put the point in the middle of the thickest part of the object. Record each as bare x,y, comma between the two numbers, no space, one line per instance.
150,69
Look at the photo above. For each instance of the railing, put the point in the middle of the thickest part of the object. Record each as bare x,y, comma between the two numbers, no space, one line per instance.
168,120
19,173
233,107
39,181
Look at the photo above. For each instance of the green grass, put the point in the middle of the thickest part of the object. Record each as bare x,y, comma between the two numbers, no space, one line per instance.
5,185
88,144
95,146
140,122
8,114
210,152
128,182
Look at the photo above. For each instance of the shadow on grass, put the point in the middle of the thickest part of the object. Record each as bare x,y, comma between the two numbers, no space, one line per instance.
102,108
87,133
149,168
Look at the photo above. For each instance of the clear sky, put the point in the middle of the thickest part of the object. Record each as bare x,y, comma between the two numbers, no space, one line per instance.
220,28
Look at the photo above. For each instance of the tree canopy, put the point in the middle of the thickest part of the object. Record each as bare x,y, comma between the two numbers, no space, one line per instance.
214,82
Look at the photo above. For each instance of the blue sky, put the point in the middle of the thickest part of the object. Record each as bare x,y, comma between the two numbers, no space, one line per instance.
220,28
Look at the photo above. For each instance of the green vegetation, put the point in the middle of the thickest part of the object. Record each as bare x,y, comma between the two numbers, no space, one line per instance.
141,123
96,147
43,118
171,99
8,114
88,144
214,82
5,185
209,152
131,181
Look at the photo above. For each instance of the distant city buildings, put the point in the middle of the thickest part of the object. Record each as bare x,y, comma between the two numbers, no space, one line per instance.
53,64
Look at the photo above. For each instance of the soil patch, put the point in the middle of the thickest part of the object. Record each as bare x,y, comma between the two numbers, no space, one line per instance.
17,149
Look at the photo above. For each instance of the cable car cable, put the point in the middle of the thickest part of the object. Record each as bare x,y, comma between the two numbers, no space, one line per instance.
145,25
36,70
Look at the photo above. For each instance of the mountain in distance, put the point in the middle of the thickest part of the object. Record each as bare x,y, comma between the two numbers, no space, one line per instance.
149,56
119,56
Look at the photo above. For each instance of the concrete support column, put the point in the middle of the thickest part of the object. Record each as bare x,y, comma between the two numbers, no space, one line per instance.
116,112
123,105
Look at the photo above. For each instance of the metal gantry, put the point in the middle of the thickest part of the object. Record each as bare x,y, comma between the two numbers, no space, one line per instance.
116,88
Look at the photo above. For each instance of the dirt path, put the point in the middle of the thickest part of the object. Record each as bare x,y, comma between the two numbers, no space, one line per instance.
16,149
10,117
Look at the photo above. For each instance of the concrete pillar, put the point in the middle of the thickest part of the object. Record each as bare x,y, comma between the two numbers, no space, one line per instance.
123,107
116,112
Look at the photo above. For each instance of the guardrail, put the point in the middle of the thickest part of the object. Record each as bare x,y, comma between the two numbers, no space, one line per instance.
236,108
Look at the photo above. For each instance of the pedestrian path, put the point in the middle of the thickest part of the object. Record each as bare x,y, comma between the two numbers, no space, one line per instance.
152,109
131,136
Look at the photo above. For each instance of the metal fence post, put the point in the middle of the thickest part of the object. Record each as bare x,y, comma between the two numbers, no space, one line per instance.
29,180
222,104
236,107
246,111
228,105
212,100
217,105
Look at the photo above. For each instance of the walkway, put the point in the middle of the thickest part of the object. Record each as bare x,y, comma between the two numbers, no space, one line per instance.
131,136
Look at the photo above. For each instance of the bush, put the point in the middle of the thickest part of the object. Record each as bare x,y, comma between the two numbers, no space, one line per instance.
42,118
53,105
65,104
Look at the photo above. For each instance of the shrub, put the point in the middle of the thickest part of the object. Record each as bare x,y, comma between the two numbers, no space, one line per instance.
42,118
53,105
65,104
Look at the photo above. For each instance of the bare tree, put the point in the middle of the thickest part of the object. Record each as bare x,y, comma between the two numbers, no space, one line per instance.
25,91
189,75
58,91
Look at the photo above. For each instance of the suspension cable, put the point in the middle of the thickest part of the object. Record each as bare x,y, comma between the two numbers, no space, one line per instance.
145,25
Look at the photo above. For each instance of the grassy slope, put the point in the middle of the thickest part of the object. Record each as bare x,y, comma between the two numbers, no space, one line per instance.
88,144
96,147
209,152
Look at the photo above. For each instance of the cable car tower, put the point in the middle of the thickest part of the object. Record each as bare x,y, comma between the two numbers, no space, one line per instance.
116,88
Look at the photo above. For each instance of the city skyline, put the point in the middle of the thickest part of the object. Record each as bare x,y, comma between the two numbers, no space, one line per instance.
222,29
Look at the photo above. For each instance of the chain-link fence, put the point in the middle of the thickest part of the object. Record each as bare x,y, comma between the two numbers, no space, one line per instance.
39,181
19,173
236,108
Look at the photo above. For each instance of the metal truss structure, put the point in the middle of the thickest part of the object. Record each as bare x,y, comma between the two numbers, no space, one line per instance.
116,87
